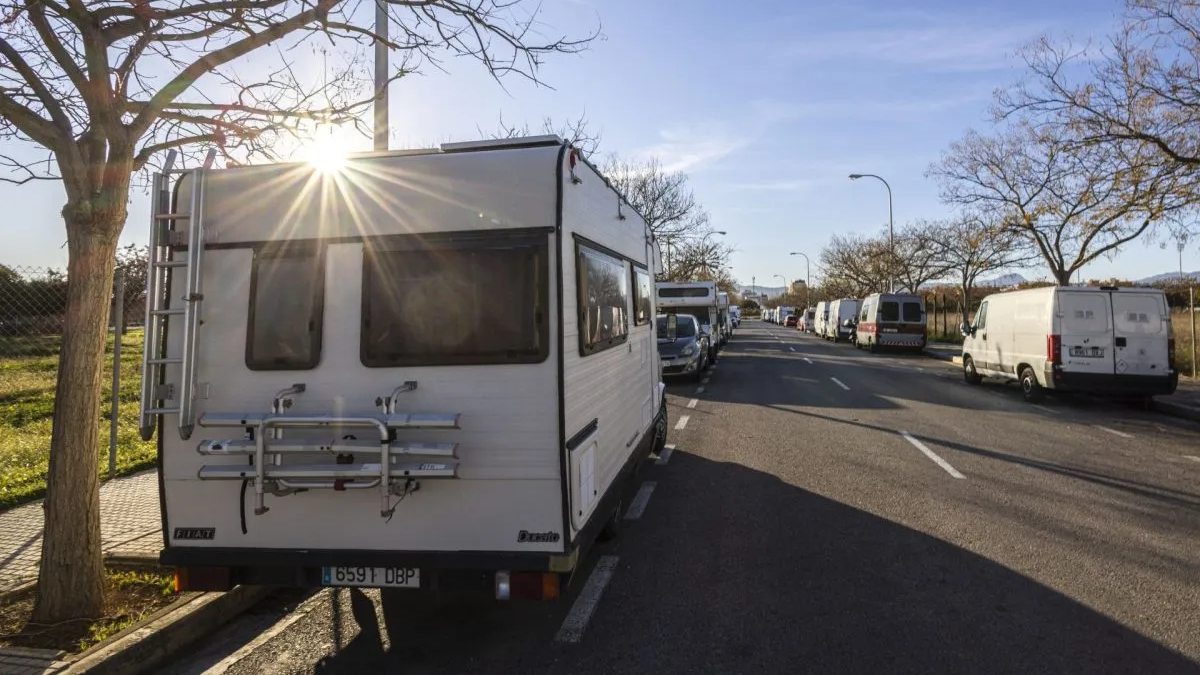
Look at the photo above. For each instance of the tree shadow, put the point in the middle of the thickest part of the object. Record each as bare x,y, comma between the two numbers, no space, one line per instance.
731,569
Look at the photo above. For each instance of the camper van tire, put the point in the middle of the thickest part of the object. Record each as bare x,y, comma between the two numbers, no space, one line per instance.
971,375
661,424
1029,385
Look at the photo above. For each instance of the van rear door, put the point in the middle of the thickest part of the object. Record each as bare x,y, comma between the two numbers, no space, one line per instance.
1086,332
1140,331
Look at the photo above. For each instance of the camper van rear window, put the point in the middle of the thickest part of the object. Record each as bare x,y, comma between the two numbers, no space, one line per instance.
643,306
287,293
889,310
603,301
912,311
465,302
685,292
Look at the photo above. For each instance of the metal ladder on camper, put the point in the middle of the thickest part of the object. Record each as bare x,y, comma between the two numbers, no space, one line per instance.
160,397
392,465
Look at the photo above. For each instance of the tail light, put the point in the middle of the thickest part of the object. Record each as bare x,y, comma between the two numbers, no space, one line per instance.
527,585
1171,353
1054,349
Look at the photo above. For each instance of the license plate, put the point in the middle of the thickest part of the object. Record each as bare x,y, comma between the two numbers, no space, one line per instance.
1088,352
372,577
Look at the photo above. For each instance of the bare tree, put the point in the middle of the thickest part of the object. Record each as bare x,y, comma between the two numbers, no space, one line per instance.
1073,201
576,132
663,198
919,254
973,247
101,88
703,259
855,264
1143,87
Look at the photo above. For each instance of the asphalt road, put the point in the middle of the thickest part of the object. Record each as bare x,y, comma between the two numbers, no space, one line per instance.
831,511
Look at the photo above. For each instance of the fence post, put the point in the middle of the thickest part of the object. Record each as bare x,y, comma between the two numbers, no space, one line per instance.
1192,318
118,325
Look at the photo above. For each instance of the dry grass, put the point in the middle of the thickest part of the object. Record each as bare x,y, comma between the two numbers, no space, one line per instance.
27,385
129,597
1184,358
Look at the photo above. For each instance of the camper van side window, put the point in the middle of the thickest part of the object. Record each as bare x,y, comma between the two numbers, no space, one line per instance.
643,307
287,297
603,298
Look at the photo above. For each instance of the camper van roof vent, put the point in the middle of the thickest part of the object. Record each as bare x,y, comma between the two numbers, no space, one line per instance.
493,144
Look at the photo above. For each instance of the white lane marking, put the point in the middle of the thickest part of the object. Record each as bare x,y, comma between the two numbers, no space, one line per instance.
791,349
1114,432
682,423
807,360
692,403
839,383
585,605
638,505
931,455
279,626
665,456
1044,409
699,390
1192,457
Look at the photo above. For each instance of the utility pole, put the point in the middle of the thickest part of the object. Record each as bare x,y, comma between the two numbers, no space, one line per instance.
381,76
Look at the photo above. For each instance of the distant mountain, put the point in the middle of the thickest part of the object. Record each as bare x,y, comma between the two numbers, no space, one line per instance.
1003,281
771,291
1169,276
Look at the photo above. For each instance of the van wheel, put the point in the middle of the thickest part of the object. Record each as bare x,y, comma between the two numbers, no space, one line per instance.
612,528
660,431
1029,385
971,375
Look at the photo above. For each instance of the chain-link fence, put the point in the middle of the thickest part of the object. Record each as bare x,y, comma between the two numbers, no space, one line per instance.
32,314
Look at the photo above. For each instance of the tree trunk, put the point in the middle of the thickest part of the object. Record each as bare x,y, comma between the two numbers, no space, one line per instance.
1062,277
70,582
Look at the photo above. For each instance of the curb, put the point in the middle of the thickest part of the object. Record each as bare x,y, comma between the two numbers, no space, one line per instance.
140,648
1180,410
941,356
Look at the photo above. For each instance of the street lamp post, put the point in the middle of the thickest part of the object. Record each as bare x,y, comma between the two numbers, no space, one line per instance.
705,241
785,288
891,228
807,279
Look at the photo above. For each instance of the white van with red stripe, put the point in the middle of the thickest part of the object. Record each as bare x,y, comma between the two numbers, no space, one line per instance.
1091,339
895,320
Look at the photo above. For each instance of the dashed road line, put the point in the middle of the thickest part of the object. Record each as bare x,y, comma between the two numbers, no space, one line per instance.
682,423
807,360
665,455
585,605
1114,432
638,505
692,403
791,349
1044,409
839,383
699,390
931,455
1192,457
705,380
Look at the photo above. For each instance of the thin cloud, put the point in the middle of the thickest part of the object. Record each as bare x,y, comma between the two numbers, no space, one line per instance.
690,148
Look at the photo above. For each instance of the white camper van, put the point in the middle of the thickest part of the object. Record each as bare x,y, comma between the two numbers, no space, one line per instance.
891,320
808,322
427,370
842,313
724,317
698,298
1100,340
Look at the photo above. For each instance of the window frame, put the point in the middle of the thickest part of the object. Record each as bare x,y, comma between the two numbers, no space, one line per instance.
289,249
587,348
537,239
638,269
981,319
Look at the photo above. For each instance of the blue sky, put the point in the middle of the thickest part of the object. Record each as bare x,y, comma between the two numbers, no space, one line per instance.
766,104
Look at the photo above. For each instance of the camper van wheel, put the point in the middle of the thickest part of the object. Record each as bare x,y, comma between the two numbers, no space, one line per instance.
1029,385
971,375
613,527
660,431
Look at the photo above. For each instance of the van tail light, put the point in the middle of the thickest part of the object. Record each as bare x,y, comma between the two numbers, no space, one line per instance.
1171,353
527,585
1054,349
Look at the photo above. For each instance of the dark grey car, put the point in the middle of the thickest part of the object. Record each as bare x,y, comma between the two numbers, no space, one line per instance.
686,350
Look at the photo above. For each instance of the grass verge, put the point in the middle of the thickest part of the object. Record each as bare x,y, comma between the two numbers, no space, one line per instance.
27,385
129,597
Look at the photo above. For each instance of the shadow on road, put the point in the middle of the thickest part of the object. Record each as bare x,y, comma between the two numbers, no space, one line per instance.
733,570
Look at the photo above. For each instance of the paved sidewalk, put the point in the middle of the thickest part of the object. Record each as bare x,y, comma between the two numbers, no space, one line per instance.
130,527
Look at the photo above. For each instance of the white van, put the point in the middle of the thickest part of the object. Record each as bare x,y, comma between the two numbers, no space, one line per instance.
891,320
724,318
821,316
842,313
426,370
809,320
1097,340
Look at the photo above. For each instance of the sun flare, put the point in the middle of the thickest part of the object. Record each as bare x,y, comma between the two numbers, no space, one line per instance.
326,153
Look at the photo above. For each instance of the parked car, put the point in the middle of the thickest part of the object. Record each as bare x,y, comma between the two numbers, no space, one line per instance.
683,348
1098,340
791,321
